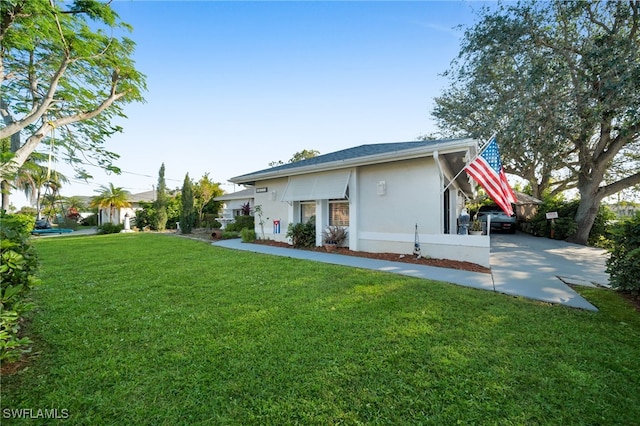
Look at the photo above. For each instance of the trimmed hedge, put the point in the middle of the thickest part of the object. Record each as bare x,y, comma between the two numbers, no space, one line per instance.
240,223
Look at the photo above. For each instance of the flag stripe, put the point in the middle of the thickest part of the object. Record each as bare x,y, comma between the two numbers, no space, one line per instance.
486,169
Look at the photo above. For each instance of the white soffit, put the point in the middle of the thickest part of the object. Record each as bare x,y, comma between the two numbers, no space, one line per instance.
317,186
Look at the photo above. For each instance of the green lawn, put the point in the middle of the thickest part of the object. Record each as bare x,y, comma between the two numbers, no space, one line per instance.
154,329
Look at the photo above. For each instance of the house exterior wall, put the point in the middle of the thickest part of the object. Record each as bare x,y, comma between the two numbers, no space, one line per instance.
393,198
273,209
386,201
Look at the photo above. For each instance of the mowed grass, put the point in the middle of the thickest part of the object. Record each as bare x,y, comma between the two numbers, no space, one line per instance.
154,329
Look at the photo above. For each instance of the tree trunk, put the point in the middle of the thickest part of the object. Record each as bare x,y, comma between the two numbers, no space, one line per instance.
4,187
586,215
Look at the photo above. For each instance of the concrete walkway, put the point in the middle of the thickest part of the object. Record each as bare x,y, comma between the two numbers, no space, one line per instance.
521,265
540,268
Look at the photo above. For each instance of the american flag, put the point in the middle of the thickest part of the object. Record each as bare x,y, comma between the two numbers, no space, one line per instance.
487,170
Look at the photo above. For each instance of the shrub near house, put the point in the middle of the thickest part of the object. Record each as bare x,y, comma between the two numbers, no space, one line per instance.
624,263
565,225
17,277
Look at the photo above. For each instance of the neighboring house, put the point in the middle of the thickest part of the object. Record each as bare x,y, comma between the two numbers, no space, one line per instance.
526,206
380,192
118,215
233,205
135,200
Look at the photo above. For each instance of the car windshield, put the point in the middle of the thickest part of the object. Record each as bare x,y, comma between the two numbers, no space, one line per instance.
494,210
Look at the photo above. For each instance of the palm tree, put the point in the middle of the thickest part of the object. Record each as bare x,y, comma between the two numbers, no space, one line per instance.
32,177
111,197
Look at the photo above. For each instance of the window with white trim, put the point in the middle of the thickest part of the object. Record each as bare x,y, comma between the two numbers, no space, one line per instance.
307,210
339,212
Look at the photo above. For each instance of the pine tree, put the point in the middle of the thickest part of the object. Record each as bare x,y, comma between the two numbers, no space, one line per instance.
160,203
187,218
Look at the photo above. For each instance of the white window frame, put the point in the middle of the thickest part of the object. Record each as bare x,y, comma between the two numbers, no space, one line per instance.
343,222
304,204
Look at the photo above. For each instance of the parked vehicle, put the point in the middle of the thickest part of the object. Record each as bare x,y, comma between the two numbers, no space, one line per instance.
500,221
42,224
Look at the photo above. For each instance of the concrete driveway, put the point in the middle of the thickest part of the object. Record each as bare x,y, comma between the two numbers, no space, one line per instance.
538,268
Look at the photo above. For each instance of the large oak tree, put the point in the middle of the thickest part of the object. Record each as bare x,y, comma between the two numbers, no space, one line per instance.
560,83
65,66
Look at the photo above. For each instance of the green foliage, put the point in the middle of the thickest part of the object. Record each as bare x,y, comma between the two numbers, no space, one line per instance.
228,235
209,221
73,60
303,235
305,154
174,208
204,192
558,80
240,223
67,223
188,214
623,265
111,198
110,228
257,209
21,223
146,215
91,220
476,225
30,211
161,218
248,235
565,225
18,266
160,204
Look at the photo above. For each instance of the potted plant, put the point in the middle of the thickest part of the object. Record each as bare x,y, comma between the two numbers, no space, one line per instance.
476,227
333,237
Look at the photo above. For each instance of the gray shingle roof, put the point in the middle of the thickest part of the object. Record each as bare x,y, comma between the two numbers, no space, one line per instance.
352,153
238,195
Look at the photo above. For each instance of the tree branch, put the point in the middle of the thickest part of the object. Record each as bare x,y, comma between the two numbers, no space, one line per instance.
596,21
36,113
618,186
64,42
32,142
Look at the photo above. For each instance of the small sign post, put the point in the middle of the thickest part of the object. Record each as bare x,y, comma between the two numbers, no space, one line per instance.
552,216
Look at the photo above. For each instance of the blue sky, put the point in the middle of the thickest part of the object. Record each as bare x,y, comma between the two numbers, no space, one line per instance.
236,85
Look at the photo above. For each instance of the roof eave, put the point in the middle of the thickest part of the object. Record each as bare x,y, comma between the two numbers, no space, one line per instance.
405,154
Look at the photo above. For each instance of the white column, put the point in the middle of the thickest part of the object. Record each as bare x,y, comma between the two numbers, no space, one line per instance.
322,219
354,204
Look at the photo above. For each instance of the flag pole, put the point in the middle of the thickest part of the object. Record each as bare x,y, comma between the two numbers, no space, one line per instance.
477,155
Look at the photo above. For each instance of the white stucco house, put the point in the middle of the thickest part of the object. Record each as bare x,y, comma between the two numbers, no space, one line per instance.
118,215
380,192
232,204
